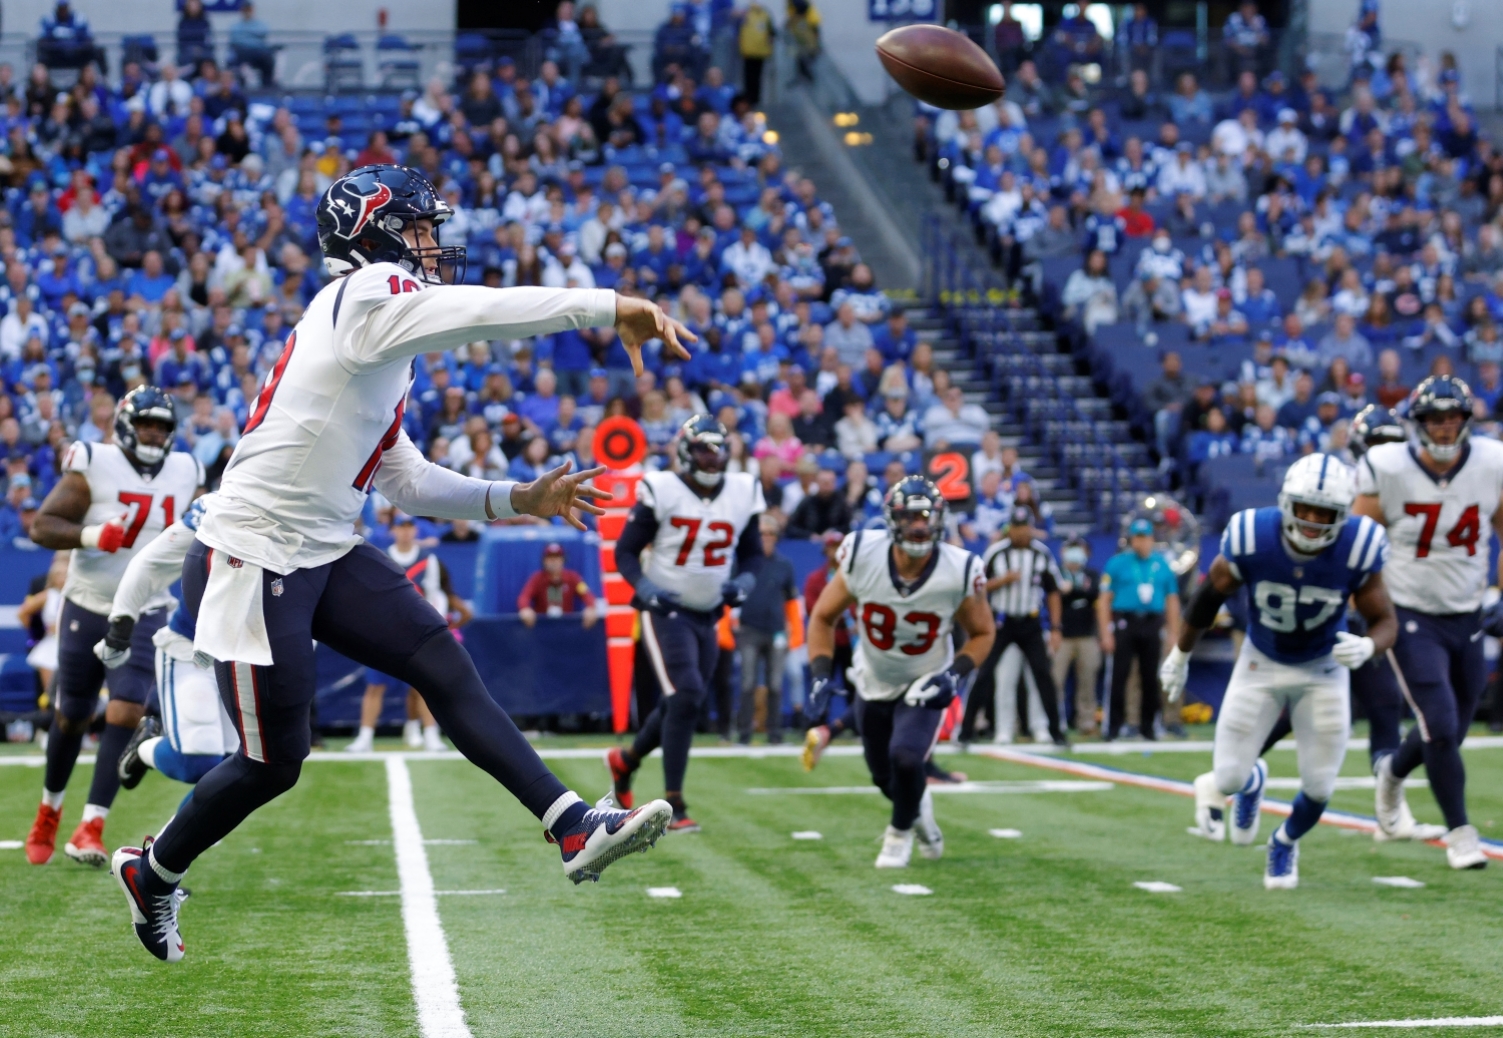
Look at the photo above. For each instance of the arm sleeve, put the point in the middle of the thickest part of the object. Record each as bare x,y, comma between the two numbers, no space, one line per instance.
417,486
749,547
152,571
380,327
641,530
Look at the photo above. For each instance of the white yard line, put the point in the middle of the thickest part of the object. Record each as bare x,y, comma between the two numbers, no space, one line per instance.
434,987
1439,1021
1010,786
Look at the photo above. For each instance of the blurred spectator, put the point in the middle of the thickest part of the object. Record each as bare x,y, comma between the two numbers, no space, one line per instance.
250,44
754,38
763,638
1246,37
898,428
555,590
823,510
195,36
1010,40
1089,295
953,423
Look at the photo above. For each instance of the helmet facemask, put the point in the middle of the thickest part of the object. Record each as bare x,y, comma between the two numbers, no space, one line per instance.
917,531
707,461
1445,453
1309,533
448,261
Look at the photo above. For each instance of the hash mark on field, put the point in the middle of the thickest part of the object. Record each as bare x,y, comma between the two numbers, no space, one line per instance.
802,834
1398,881
1007,834
1439,1021
1156,886
664,892
11,845
912,890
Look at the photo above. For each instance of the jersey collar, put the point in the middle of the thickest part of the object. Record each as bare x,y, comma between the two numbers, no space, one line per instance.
1450,473
903,588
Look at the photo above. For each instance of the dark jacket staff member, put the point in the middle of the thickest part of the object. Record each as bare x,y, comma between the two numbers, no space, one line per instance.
1139,600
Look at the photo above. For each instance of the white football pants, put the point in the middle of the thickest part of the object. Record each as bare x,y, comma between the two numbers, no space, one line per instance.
193,716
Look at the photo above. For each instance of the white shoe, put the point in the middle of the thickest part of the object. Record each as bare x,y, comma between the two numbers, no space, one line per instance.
360,744
412,735
432,741
897,848
1210,808
1282,870
930,840
1463,849
1388,801
1002,739
1408,828
1247,808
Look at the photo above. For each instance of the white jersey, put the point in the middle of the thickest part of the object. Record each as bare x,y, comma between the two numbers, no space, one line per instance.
147,505
696,539
327,425
903,636
1439,531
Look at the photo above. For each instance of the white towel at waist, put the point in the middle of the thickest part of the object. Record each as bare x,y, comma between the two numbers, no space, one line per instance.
231,627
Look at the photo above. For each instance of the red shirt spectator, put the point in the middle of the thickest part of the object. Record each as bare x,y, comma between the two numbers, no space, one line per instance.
554,591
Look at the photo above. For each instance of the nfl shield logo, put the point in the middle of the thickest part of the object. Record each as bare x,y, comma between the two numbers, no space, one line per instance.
276,588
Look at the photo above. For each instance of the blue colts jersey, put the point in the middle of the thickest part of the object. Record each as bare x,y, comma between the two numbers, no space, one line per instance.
1296,606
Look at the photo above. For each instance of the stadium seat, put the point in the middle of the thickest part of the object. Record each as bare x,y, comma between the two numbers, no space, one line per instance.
344,67
396,61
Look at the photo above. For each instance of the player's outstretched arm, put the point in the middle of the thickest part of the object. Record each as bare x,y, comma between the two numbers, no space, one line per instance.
1376,607
59,522
155,568
1220,584
560,493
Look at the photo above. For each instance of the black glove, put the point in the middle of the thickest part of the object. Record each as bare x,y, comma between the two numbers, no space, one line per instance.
734,592
653,597
1492,619
114,648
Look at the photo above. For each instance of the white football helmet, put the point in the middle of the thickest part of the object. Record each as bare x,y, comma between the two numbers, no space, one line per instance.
1320,481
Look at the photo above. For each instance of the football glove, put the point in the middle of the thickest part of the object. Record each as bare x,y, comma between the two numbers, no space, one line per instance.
1492,619
653,597
825,682
934,692
106,537
1351,651
734,592
114,648
1174,672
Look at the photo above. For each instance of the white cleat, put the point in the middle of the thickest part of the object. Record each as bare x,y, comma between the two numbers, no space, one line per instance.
1247,808
1210,808
1389,807
1408,828
1282,871
1463,849
897,848
432,741
360,744
930,840
412,735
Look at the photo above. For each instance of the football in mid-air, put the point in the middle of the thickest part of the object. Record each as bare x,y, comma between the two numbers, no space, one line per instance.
940,66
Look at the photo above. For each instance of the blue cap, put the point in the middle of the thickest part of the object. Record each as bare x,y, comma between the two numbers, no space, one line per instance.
1139,528
234,331
403,519
599,373
30,505
1328,397
494,369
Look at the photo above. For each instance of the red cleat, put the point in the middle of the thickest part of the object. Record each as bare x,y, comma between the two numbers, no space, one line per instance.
86,845
42,840
615,760
682,823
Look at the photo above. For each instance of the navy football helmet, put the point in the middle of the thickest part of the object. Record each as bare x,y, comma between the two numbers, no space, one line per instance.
1437,397
144,404
914,511
1374,425
702,449
363,214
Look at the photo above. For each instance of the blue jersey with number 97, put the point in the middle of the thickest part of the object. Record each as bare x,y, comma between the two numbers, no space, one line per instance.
1296,604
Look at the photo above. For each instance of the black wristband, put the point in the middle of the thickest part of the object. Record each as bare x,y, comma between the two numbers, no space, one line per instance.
821,667
962,666
120,631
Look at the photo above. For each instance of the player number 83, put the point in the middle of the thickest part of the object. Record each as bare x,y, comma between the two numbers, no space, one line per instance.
1277,604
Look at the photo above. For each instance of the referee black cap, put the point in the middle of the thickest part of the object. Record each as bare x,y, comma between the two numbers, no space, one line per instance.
1021,516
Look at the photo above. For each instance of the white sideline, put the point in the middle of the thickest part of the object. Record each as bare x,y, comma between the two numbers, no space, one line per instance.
434,987
1439,1021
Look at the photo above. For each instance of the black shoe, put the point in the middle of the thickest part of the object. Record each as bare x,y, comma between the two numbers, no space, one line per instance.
774,738
132,769
744,739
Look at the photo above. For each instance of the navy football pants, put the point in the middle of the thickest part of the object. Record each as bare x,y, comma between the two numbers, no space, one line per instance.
683,649
363,606
896,739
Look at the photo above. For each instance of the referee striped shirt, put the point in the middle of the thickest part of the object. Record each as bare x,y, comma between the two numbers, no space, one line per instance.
1038,573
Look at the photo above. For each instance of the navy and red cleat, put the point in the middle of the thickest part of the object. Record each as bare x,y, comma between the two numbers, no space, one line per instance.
154,913
682,823
604,834
615,760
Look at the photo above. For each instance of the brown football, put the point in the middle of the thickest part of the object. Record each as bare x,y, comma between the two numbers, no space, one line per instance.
940,66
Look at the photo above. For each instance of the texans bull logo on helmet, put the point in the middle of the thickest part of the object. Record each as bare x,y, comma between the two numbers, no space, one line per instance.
365,206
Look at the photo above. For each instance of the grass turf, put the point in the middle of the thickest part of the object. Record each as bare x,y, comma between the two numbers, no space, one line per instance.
1043,935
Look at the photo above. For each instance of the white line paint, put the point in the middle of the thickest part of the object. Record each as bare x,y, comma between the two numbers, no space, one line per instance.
1155,886
1345,782
664,892
1012,786
397,893
1398,881
912,890
808,834
1439,1021
468,893
1007,834
11,845
434,987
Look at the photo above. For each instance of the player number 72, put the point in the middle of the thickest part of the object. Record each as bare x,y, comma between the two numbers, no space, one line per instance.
1277,604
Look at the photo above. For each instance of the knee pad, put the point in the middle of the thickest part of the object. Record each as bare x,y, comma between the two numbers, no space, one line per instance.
74,712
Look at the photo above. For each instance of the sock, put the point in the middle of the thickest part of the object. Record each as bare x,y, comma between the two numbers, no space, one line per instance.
107,764
564,814
53,800
445,676
62,754
366,734
1301,819
225,797
148,749
159,879
93,811
430,730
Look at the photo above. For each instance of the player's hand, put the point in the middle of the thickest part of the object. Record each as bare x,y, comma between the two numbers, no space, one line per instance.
1492,619
1351,651
734,592
820,693
114,648
1056,639
934,692
654,597
1174,672
560,493
640,320
106,537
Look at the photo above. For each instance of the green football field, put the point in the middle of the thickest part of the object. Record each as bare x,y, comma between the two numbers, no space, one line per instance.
295,925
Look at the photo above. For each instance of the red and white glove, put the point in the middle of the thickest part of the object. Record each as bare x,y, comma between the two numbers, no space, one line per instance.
106,537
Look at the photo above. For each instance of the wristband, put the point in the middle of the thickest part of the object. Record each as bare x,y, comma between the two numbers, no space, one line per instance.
962,666
821,667
88,537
